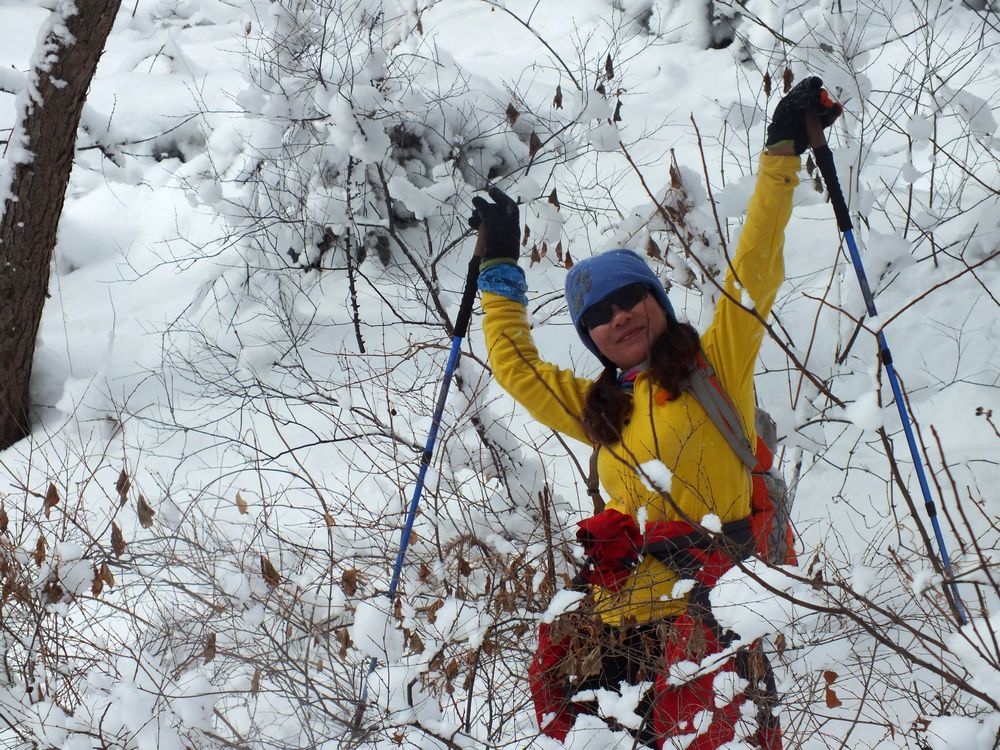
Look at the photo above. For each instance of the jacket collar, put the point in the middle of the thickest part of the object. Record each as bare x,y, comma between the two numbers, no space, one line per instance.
627,378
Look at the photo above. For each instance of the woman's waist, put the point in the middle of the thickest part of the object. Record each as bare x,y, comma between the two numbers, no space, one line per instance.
647,595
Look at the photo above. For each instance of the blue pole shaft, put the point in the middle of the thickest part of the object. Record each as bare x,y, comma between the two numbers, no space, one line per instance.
461,328
824,160
425,462
886,356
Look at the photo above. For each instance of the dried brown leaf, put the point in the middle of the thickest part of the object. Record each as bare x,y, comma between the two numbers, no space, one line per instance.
512,114
786,80
653,250
617,117
832,701
810,165
756,664
122,486
145,512
107,576
554,199
780,644
697,645
4,521
534,145
424,573
98,585
40,551
117,540
432,611
591,663
557,99
344,639
241,504
676,182
767,84
53,592
559,251
609,68
464,569
569,260
416,644
535,255
51,498
330,521
208,652
270,573
349,581
601,90
830,677
255,682
527,234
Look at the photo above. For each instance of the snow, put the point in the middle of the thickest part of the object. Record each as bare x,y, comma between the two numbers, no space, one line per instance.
564,601
741,603
865,411
682,588
655,476
198,338
374,633
712,522
920,128
620,706
605,137
947,732
591,733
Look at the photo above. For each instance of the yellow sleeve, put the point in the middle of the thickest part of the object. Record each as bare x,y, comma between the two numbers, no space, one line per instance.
552,395
758,269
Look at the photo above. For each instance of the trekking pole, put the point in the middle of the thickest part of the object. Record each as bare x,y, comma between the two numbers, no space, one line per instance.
824,160
461,328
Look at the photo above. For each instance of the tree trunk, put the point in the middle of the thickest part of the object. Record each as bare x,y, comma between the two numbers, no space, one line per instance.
47,121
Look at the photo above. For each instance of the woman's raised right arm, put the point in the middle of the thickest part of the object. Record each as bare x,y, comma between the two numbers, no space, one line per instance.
552,395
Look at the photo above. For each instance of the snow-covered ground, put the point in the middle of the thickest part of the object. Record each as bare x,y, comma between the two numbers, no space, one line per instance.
239,361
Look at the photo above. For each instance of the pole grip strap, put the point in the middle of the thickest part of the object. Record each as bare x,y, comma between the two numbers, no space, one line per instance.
824,160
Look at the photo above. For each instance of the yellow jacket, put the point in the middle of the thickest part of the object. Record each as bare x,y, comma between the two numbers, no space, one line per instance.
707,476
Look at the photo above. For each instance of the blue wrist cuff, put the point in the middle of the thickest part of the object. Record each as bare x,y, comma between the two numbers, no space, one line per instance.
507,280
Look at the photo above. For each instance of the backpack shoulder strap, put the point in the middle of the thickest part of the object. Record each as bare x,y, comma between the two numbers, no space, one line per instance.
708,391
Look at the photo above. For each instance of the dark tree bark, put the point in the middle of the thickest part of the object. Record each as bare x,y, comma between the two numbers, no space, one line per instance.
28,229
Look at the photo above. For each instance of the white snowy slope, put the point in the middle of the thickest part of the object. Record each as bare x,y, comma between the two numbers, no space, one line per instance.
261,254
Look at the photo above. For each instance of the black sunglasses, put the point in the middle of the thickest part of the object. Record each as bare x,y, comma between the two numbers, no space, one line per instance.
601,312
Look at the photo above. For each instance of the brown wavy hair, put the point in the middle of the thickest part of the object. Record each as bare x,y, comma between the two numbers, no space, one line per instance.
671,359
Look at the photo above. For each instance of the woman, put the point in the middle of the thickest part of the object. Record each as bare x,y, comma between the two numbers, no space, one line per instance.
639,411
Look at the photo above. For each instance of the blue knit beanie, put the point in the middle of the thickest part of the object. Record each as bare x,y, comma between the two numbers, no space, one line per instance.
593,279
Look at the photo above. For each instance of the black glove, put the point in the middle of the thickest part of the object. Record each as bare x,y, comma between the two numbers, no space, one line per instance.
789,122
500,226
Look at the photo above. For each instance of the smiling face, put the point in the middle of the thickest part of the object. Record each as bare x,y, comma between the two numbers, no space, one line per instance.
627,338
